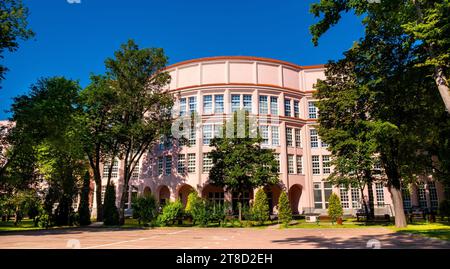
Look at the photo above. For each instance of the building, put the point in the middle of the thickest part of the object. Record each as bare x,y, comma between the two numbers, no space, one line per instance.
279,95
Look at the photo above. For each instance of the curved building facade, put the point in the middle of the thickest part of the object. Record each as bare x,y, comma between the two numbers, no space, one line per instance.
279,96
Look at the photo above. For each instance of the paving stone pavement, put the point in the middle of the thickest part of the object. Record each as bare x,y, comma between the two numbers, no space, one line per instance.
211,238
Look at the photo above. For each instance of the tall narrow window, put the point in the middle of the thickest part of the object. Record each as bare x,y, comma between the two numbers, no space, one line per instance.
356,197
218,103
160,165
274,105
406,195
298,138
289,137
207,134
433,194
192,136
314,138
326,164
181,164
277,159
315,165
114,170
168,165
207,163
275,136
343,193
191,162
287,107
235,102
247,103
379,190
299,164
218,130
291,164
421,195
264,129
135,173
328,190
192,104
296,109
182,106
318,204
207,104
263,109
312,110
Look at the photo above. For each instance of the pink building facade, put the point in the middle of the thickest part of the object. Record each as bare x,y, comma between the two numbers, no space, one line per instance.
279,96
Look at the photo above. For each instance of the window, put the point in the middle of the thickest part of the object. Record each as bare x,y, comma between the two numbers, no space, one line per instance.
235,102
114,170
406,197
299,165
192,104
218,104
135,173
433,195
287,107
277,159
315,165
192,136
421,195
298,138
160,165
379,191
356,197
207,163
182,106
296,109
218,130
328,190
168,165
103,193
181,164
317,196
312,110
191,162
314,138
207,134
324,145
343,192
289,137
216,197
263,109
207,104
264,129
248,103
275,136
291,164
274,105
326,164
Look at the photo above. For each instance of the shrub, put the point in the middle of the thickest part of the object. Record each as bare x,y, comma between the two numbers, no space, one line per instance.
335,210
84,213
217,212
144,208
199,211
110,212
43,220
191,200
444,209
284,209
260,209
170,213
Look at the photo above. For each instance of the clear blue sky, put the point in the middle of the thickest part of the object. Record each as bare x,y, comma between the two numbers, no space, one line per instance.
73,40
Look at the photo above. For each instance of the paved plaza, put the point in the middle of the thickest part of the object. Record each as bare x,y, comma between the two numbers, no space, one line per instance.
211,238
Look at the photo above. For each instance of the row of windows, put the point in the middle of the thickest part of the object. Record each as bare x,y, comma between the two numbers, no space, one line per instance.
326,165
215,104
421,195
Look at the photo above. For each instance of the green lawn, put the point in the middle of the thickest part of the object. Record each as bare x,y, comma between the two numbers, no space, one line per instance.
348,223
25,225
435,230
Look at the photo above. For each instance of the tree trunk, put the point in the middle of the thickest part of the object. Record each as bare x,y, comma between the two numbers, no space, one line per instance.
442,85
122,205
98,195
396,195
371,200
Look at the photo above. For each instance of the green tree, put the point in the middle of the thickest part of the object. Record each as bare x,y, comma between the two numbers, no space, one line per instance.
191,201
110,211
260,208
83,208
335,210
13,26
239,162
284,209
171,212
144,208
143,110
